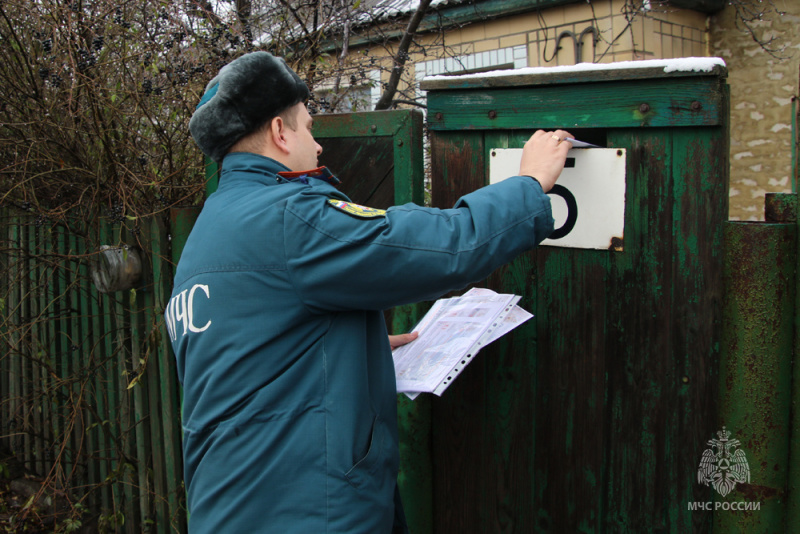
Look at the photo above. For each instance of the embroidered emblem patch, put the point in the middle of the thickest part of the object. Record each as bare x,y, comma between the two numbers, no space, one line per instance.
356,210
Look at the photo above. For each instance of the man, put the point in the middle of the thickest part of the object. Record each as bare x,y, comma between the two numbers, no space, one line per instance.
276,317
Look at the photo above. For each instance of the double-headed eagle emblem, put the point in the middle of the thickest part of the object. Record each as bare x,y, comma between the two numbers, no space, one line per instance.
724,464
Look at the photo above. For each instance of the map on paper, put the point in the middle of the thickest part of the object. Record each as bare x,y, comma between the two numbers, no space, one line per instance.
450,335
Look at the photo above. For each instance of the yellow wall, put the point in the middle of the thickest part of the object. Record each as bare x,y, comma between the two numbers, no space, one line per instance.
654,34
762,88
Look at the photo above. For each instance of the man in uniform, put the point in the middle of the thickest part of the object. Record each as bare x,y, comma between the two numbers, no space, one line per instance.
276,319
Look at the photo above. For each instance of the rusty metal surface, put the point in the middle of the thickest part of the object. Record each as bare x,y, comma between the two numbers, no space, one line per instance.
780,207
755,369
592,416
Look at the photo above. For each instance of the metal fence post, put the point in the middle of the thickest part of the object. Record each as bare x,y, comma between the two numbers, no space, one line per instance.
755,369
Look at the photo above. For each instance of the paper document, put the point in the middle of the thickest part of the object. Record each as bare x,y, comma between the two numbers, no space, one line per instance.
450,335
580,144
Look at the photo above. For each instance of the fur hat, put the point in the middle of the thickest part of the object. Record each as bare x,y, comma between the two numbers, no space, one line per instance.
245,94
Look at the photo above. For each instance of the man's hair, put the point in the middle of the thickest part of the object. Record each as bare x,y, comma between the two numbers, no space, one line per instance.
254,139
288,115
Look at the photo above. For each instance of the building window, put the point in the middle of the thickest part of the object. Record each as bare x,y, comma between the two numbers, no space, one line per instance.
354,98
515,57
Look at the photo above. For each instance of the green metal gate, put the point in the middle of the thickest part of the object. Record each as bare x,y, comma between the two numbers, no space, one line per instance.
593,416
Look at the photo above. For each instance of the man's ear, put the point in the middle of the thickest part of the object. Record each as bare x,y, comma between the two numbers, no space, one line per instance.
277,129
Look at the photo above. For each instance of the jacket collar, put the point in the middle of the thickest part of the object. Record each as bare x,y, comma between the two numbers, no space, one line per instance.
320,173
249,166
238,166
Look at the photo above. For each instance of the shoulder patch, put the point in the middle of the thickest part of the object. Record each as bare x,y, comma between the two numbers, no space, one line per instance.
362,212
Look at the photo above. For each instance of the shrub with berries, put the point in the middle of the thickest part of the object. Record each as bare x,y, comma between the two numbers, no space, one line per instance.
90,90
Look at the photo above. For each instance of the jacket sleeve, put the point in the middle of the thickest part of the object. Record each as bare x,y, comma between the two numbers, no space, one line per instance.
338,261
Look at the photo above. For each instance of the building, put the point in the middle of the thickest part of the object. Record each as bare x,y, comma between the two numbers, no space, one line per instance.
467,36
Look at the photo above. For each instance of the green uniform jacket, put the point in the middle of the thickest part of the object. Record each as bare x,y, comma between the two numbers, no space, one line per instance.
289,414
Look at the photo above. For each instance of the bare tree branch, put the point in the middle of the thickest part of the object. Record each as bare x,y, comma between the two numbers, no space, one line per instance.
401,56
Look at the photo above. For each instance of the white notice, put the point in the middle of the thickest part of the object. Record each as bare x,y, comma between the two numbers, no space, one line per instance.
588,200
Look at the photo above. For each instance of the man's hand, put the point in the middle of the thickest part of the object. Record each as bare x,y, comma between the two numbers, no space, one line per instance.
544,155
402,339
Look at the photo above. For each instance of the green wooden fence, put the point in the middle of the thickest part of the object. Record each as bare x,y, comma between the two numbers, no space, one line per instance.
88,394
